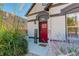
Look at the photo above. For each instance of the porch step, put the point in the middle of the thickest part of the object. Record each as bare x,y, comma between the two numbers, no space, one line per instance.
36,49
43,45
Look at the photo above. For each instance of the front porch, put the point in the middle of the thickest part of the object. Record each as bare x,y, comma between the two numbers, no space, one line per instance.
36,48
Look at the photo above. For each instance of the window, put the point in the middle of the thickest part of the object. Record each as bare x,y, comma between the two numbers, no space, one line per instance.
35,35
72,26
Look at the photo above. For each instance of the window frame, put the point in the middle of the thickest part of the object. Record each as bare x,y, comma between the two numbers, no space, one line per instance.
76,26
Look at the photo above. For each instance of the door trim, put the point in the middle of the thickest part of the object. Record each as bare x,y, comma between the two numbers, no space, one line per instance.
39,32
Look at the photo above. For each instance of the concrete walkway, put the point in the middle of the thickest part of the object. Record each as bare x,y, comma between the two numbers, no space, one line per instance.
35,49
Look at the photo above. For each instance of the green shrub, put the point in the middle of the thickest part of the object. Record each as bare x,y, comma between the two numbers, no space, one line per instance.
12,43
71,49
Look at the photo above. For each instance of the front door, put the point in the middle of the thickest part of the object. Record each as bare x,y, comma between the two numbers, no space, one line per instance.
43,37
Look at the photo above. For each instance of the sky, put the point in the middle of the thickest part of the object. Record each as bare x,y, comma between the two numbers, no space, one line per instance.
16,8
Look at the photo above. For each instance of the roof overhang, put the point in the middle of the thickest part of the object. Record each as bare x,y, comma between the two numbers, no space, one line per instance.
71,8
46,8
30,9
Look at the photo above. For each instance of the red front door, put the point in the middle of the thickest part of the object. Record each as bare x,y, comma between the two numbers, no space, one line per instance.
43,32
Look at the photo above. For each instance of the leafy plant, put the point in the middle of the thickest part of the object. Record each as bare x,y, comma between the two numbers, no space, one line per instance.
62,49
70,50
12,43
70,21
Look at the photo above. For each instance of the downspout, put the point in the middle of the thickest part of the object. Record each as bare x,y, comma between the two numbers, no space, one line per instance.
65,28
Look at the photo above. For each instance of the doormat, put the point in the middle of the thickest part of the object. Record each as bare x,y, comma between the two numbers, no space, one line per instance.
43,45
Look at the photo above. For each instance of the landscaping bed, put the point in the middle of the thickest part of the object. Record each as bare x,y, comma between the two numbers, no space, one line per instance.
65,48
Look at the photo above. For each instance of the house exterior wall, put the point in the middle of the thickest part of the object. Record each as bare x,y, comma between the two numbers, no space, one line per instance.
31,29
57,27
57,23
57,9
31,26
38,7
31,17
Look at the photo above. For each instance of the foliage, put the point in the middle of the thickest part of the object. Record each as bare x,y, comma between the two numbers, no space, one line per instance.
1,18
63,50
70,21
71,50
12,42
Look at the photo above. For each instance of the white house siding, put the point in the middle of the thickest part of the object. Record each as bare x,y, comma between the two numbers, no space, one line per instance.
57,23
31,27
38,7
57,9
57,27
31,17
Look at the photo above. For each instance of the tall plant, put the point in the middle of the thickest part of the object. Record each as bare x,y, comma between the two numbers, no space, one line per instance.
12,43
